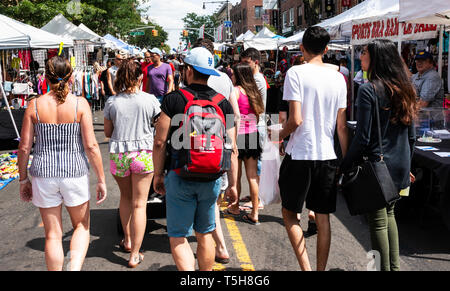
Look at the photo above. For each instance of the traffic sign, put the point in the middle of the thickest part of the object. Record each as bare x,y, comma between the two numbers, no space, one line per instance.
134,33
228,24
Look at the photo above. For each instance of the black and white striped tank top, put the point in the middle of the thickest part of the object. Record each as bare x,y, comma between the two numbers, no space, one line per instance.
59,151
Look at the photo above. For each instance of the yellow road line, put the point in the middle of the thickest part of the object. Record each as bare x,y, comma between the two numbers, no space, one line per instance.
238,243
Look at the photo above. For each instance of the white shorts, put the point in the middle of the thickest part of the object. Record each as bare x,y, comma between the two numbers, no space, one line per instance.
52,192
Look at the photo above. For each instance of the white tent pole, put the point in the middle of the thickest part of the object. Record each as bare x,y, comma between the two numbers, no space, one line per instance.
400,37
9,110
441,47
352,76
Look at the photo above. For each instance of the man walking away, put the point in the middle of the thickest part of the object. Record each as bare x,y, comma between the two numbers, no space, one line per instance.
191,202
308,171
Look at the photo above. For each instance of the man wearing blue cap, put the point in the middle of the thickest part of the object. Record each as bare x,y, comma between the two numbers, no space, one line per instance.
160,79
429,86
190,203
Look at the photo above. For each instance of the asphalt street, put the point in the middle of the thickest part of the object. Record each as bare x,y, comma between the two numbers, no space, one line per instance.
425,245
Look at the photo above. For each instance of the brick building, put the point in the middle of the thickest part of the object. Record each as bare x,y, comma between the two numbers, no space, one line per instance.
295,16
249,15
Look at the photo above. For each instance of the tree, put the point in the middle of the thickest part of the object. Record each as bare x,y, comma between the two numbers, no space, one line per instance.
312,9
192,20
271,28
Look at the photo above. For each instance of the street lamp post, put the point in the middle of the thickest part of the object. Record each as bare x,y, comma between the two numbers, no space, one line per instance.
228,13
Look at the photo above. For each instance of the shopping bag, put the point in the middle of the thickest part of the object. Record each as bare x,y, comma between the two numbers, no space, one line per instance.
269,191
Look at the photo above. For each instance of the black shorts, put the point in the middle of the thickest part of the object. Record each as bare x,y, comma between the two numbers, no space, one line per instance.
249,146
313,181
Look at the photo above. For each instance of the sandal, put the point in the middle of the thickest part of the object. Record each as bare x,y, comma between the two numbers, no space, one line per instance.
134,265
228,212
222,261
249,206
123,248
246,218
245,199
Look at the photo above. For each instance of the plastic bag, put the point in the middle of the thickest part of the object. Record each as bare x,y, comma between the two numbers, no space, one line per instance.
269,191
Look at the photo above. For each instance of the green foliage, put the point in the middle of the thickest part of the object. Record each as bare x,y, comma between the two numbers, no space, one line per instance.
192,20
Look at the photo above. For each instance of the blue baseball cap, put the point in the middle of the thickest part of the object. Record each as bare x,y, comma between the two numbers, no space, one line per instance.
156,51
423,55
202,61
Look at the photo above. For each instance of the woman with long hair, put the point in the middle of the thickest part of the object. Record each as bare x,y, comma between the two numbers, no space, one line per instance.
390,84
251,107
62,125
128,122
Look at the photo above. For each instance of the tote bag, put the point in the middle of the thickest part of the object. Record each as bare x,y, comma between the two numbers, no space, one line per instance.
369,186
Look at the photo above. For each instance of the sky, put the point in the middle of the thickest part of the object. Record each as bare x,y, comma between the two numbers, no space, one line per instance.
169,14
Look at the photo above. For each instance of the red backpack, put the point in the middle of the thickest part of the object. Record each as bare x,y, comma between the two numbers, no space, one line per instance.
204,156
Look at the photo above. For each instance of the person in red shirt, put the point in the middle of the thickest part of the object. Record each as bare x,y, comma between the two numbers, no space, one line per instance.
147,62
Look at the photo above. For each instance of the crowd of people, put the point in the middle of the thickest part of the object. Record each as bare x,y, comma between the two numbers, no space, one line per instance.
189,128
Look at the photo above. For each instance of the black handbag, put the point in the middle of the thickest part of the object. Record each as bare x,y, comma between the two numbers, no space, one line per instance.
369,186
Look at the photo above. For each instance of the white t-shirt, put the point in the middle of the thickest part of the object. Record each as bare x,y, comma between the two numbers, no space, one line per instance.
222,84
321,92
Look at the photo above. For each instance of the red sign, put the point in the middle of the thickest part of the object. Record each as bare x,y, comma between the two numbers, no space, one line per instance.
346,3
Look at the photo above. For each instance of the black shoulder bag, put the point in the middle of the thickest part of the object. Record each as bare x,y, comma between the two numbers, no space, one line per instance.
369,186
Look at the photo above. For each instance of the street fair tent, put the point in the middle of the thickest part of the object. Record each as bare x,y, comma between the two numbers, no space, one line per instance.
246,36
430,12
264,33
17,35
59,25
117,42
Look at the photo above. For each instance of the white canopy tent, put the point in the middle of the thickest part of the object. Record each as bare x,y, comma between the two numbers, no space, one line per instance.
15,34
264,33
63,27
246,36
432,11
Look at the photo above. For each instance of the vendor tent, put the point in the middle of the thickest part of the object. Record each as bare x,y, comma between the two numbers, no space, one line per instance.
15,34
107,43
63,27
119,44
265,33
246,36
430,12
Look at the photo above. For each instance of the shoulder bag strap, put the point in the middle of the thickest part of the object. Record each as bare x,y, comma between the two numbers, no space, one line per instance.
377,113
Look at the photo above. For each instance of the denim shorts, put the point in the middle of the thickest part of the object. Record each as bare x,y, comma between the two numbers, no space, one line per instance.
190,205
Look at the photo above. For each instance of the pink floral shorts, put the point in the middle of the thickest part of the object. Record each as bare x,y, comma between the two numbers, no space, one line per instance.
124,164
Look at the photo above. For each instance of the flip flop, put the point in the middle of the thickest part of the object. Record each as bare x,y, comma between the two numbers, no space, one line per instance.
250,207
123,248
227,212
222,261
245,199
248,220
141,259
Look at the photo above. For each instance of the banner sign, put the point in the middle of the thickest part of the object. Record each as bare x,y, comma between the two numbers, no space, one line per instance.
270,4
364,31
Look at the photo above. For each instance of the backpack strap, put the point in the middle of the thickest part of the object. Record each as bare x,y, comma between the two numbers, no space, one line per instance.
187,95
218,99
